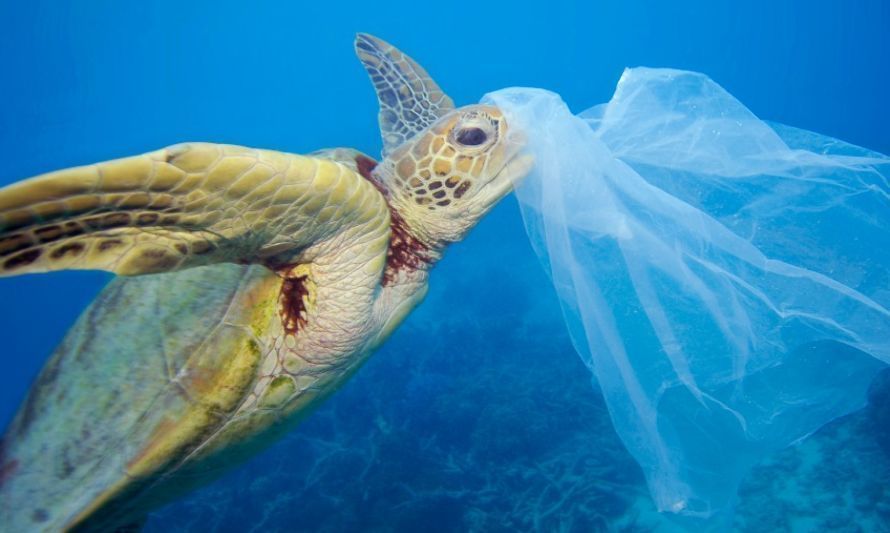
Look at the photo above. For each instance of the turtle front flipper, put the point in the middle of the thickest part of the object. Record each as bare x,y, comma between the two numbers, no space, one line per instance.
410,101
183,206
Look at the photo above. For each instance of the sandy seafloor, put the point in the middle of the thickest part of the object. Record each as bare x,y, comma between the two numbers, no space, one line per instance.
477,415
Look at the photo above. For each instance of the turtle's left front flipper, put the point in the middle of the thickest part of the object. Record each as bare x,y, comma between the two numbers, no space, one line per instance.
184,206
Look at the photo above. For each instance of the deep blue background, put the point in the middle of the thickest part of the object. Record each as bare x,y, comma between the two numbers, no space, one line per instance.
87,81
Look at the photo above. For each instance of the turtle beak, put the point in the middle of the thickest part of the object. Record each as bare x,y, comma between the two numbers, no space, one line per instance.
517,167
517,162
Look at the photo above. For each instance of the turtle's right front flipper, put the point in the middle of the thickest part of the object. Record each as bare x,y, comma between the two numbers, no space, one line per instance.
179,207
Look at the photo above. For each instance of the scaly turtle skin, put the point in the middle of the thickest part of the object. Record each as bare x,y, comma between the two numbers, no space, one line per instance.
252,284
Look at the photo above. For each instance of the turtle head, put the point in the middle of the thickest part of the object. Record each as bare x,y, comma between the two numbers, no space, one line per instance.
443,167
448,176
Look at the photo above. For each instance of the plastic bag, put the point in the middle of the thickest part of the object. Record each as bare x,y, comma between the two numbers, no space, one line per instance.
725,280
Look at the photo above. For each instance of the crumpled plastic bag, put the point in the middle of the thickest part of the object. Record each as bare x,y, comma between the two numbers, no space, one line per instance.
725,280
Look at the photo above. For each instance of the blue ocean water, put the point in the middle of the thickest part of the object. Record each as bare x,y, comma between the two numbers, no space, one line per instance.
477,415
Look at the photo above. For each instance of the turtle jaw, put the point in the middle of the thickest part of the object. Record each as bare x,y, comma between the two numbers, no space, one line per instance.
512,173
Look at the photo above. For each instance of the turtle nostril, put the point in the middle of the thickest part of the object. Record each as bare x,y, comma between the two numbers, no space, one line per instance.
471,136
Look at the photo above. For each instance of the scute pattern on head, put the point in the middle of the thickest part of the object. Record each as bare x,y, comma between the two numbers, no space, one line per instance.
442,165
410,101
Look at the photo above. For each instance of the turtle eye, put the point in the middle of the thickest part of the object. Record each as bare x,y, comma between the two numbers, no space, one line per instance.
471,136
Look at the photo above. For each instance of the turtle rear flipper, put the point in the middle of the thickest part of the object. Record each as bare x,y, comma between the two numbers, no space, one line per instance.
184,206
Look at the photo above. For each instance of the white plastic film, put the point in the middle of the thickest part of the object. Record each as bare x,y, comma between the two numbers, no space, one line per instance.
726,280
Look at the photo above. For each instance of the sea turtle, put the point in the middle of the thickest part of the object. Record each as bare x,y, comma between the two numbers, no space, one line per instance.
272,278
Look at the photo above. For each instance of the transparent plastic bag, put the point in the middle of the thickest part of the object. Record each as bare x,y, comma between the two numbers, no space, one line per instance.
726,280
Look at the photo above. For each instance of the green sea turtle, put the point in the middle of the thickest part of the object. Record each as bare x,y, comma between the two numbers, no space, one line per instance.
273,277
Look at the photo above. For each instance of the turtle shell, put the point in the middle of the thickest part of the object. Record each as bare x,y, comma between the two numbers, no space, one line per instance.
135,404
